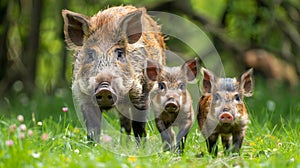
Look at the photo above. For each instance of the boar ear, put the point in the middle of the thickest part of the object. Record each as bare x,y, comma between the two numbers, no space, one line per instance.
131,25
191,68
207,81
247,83
76,26
152,69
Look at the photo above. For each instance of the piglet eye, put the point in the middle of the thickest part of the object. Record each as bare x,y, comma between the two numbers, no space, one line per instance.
237,97
161,85
181,86
120,55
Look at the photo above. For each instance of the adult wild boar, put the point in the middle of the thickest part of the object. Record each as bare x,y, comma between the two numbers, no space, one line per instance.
110,51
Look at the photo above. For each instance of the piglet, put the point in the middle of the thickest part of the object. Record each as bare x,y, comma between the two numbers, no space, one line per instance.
222,111
172,102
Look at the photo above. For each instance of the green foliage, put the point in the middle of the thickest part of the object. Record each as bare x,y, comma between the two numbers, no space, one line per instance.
212,9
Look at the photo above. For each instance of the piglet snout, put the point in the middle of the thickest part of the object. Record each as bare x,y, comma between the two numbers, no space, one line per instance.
171,106
226,117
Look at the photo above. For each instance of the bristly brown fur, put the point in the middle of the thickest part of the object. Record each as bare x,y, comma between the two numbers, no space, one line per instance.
110,51
221,110
203,109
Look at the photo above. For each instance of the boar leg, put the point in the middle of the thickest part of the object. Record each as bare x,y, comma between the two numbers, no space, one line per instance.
139,130
140,111
123,109
172,136
92,116
167,135
237,140
181,136
226,144
90,112
139,118
180,149
124,115
183,140
125,124
211,144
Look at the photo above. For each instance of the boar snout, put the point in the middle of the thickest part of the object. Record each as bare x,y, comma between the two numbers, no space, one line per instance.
105,96
226,117
172,106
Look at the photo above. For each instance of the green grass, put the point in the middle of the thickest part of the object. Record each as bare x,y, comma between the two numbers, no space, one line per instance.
58,139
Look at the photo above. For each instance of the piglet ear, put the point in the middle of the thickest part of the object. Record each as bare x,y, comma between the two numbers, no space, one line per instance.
191,68
76,26
246,83
208,80
152,70
131,26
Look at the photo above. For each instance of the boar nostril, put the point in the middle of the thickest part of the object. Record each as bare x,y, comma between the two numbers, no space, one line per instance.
110,97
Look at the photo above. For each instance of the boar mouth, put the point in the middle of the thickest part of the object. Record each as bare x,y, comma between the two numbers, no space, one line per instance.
225,124
105,96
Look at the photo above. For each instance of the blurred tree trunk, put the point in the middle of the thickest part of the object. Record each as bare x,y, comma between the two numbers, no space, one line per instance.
8,73
3,38
31,47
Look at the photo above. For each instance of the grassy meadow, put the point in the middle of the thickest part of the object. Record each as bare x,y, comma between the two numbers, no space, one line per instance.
50,136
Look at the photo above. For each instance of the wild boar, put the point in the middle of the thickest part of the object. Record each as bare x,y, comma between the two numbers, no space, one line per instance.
172,102
110,52
222,111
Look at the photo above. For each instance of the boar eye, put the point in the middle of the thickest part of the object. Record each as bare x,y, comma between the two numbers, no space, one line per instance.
181,86
90,55
237,97
161,85
120,54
